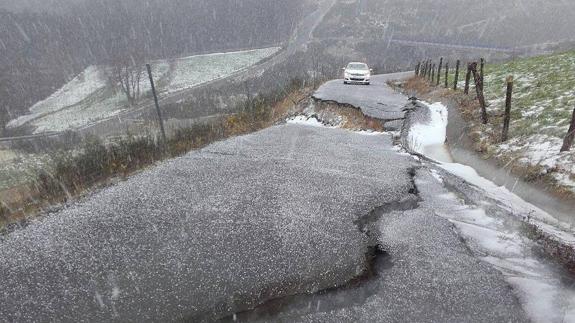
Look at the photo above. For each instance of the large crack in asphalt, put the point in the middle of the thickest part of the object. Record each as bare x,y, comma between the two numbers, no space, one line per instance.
377,260
388,123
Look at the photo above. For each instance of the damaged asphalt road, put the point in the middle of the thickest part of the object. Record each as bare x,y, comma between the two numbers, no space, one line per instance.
425,273
290,210
377,100
208,234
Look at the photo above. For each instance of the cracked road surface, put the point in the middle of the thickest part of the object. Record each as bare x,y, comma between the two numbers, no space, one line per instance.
208,234
427,274
289,210
377,100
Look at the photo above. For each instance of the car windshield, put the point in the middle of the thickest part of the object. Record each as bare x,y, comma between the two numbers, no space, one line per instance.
358,66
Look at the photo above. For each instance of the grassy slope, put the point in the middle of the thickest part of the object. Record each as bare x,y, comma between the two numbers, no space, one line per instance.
543,101
544,93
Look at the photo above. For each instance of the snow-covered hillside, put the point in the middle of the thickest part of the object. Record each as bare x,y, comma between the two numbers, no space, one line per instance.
89,98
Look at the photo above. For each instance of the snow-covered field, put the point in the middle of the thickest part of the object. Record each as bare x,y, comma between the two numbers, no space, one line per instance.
195,70
89,98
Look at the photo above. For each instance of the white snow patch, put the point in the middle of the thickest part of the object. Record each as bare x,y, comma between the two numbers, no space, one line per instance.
306,121
543,295
370,133
431,134
436,175
195,70
424,139
74,92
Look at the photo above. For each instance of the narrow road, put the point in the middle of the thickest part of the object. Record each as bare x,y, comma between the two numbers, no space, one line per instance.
209,234
290,210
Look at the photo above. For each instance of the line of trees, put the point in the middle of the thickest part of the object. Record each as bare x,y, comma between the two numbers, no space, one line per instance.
40,51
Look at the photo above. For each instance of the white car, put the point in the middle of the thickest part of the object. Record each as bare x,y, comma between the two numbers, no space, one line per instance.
357,73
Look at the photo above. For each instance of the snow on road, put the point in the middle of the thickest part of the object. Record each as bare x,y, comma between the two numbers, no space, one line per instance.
487,216
492,225
427,272
236,223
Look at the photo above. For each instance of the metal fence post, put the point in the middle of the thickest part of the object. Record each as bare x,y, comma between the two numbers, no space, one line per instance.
160,119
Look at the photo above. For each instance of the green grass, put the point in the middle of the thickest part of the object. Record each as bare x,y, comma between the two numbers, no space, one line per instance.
542,106
543,96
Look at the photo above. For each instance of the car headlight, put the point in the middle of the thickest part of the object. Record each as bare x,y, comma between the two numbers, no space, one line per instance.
346,75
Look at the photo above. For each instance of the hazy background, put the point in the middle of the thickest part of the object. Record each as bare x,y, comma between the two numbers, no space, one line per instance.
45,43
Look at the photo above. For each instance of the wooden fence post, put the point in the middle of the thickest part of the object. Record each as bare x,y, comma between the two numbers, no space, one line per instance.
456,75
432,73
467,79
439,71
446,75
507,118
482,71
479,90
424,69
570,137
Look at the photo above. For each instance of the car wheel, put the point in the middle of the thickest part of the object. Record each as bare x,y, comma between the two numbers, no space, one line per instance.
344,82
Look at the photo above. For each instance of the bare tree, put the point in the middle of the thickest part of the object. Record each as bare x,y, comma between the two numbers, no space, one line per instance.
126,76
